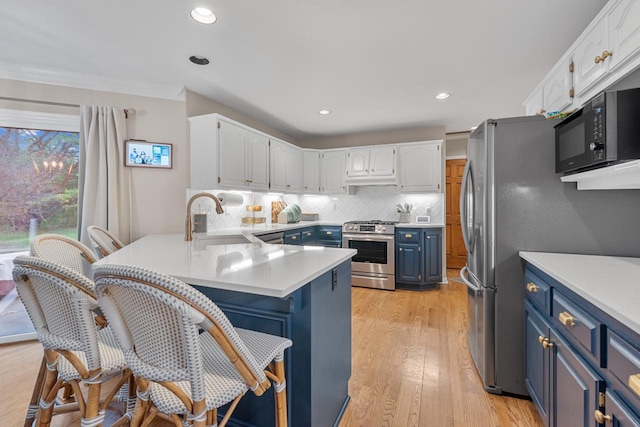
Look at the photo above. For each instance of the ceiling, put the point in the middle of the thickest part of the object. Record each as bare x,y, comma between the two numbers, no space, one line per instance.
377,65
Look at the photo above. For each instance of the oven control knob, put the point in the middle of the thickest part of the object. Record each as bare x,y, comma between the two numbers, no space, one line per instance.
596,146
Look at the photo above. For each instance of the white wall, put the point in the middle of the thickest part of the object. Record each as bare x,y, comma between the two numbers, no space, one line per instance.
158,194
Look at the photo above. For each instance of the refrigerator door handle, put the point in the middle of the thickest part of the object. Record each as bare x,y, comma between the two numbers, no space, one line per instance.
468,236
463,277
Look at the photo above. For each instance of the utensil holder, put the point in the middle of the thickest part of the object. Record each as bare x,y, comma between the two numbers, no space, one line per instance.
405,217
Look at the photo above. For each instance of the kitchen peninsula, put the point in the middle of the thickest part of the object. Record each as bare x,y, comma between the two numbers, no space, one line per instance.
300,292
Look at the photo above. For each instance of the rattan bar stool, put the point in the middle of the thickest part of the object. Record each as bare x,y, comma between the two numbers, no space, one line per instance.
66,251
182,373
104,243
60,303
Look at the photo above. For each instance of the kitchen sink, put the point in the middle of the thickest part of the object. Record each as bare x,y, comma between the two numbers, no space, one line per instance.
221,240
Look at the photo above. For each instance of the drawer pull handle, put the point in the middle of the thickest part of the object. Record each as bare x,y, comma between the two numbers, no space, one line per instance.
531,287
600,417
407,236
329,233
634,383
567,319
294,237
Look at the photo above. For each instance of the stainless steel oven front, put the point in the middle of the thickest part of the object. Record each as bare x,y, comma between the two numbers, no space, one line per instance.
374,264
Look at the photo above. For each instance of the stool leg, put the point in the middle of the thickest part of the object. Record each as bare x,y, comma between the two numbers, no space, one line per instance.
34,403
280,389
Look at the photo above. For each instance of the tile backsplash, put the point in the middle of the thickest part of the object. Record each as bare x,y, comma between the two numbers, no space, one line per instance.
368,202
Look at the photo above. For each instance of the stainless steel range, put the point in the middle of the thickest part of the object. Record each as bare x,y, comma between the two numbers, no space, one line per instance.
374,265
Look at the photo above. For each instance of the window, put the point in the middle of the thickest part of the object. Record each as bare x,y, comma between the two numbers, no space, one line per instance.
38,178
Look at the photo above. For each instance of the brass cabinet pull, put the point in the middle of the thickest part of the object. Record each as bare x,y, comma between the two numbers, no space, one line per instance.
605,55
329,233
634,383
545,342
531,287
407,236
600,417
294,237
567,319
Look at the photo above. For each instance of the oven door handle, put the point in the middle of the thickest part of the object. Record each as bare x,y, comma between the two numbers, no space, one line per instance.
369,237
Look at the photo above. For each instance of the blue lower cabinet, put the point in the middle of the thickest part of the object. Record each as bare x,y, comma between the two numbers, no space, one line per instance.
329,236
293,237
308,236
408,263
537,359
432,255
579,361
418,258
617,413
576,386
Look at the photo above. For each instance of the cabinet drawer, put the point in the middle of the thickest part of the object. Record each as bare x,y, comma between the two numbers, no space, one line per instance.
329,233
624,363
577,324
407,236
308,235
293,238
538,292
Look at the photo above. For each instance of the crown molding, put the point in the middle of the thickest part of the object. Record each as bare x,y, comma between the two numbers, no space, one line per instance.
84,81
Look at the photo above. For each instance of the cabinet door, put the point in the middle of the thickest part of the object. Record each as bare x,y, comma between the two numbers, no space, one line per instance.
586,71
537,359
333,171
432,244
257,165
311,171
575,386
278,153
382,162
294,170
556,91
408,263
624,32
420,167
534,104
233,154
617,413
357,162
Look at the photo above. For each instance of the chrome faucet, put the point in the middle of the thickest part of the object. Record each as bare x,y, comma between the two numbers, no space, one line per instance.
188,229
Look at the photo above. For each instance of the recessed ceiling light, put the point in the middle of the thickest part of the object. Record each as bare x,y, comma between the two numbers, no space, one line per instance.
198,60
203,15
443,95
324,112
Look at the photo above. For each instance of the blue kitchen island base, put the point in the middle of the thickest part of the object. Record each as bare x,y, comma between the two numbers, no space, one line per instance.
317,318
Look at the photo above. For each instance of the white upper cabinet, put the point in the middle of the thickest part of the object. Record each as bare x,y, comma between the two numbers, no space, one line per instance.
286,167
311,171
227,154
421,167
333,172
557,91
624,32
589,66
607,51
357,162
372,165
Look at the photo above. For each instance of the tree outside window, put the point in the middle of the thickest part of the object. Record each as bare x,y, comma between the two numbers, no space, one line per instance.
38,185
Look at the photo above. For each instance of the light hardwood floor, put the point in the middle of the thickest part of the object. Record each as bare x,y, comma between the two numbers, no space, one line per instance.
411,367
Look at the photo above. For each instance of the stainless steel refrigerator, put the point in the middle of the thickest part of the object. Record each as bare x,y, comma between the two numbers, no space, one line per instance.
505,160
511,200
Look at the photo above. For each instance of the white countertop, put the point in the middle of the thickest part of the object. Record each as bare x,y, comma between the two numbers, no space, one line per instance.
609,283
255,267
419,225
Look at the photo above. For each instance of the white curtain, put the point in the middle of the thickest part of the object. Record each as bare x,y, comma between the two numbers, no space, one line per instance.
104,191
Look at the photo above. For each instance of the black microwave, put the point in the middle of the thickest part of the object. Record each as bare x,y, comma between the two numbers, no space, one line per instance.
604,131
